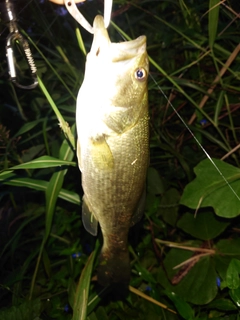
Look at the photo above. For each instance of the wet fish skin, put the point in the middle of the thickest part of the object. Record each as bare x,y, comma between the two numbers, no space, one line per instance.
113,145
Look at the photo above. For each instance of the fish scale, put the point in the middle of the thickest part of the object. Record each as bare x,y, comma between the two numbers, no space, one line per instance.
111,186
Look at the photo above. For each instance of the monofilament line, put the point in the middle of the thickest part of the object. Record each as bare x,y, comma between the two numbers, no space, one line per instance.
192,134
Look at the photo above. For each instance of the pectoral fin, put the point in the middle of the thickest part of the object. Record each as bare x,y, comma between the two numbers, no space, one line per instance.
79,155
89,221
140,209
101,153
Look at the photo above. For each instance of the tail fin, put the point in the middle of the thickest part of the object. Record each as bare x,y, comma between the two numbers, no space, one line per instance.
114,267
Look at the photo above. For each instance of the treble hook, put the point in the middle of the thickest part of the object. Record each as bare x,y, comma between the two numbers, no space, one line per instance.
73,10
15,37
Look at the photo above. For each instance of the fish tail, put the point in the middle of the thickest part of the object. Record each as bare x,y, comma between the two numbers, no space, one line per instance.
114,267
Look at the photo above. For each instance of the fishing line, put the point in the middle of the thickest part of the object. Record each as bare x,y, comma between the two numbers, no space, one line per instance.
195,138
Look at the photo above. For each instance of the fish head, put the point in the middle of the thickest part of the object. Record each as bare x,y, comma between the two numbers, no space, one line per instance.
118,72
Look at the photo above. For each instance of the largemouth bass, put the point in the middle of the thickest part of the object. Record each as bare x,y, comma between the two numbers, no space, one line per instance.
113,145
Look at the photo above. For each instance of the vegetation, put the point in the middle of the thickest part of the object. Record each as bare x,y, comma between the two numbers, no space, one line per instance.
185,253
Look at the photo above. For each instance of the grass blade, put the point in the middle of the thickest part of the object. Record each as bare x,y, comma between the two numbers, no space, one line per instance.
214,6
81,298
55,185
53,188
43,162
41,185
62,123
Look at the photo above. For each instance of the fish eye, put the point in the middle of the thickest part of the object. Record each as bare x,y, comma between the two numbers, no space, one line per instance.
140,74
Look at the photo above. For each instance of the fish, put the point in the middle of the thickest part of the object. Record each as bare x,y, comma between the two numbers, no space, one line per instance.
113,145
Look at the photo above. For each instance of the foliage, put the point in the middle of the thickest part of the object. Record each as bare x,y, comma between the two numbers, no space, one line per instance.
185,255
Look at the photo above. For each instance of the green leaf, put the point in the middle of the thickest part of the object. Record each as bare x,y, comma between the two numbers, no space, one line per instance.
46,263
182,306
169,205
229,247
44,162
154,182
214,6
54,186
210,189
92,316
101,313
144,274
198,286
222,304
32,152
28,310
205,226
218,107
235,295
226,250
81,298
62,123
28,126
12,180
71,292
95,299
233,272
38,211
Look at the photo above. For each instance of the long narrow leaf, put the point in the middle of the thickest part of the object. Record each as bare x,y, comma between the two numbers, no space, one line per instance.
81,298
214,6
53,188
44,162
41,185
63,124
55,185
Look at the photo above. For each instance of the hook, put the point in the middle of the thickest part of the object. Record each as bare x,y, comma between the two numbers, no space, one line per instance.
16,38
73,10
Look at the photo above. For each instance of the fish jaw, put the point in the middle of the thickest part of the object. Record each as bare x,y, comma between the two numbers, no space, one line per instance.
116,51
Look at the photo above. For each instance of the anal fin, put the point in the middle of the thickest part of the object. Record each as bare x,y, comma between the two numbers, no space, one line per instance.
89,221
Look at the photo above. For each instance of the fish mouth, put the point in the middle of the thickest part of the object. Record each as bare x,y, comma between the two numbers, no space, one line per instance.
116,51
